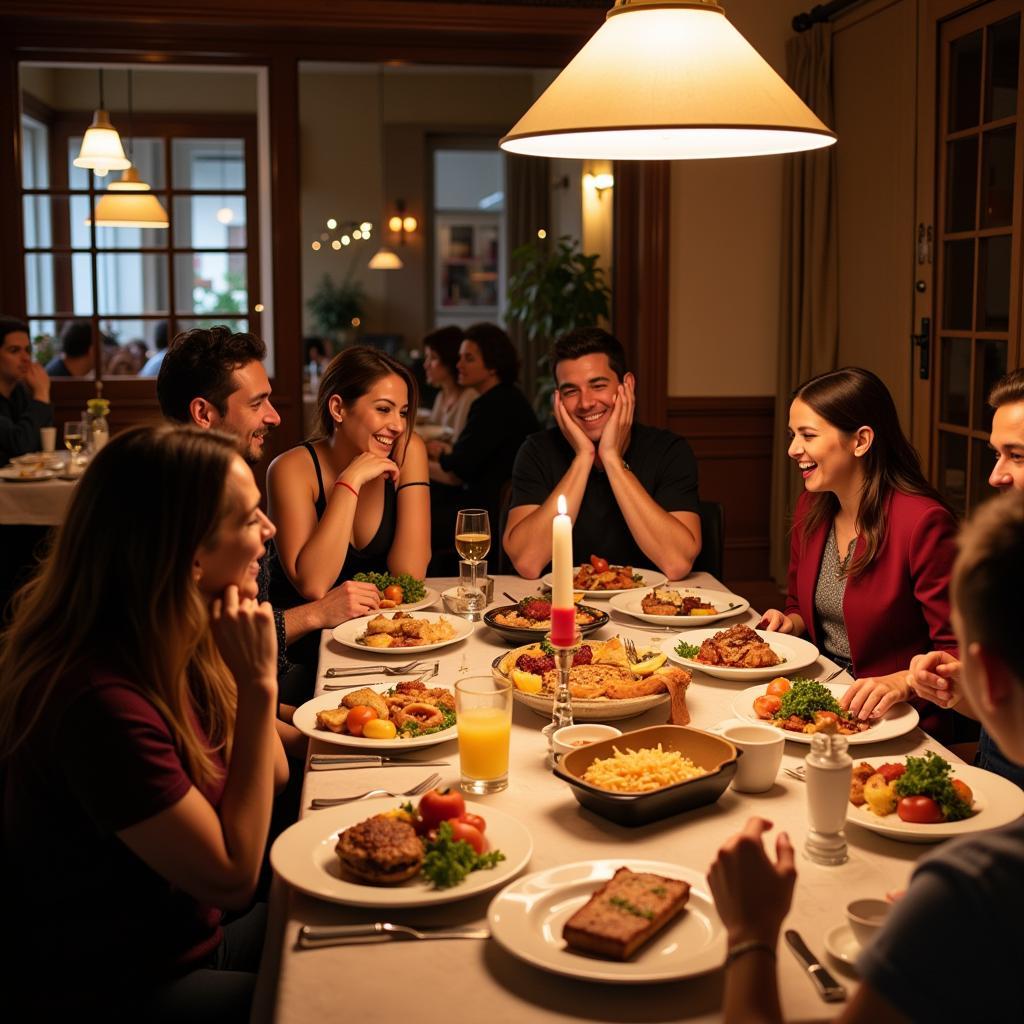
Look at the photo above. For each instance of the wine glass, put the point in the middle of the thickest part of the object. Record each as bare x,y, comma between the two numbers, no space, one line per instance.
473,539
74,438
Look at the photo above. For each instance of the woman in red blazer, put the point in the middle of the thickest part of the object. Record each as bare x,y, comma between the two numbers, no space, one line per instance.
872,545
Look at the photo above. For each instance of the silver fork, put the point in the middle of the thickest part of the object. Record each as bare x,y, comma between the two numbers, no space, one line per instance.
631,651
798,773
833,675
362,670
426,674
421,787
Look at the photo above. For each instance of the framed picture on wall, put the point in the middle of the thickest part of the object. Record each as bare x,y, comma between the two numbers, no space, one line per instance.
467,265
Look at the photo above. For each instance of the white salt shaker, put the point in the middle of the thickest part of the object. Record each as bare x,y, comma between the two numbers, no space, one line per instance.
829,769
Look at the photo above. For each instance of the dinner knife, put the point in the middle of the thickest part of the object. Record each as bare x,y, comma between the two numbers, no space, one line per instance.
361,670
318,936
828,988
327,762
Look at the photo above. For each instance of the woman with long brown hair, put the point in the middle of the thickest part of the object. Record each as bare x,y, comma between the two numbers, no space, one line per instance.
356,497
872,544
137,740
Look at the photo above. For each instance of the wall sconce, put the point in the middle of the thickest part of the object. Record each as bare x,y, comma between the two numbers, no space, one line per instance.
401,223
341,234
600,183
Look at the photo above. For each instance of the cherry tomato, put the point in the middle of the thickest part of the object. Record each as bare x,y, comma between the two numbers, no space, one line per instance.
439,805
394,593
767,706
468,834
599,564
475,820
891,772
777,687
963,791
358,717
921,810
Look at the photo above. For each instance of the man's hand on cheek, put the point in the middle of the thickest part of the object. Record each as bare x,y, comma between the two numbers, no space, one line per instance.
571,430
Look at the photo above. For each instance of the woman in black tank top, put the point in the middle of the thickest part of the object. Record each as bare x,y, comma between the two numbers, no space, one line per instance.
355,498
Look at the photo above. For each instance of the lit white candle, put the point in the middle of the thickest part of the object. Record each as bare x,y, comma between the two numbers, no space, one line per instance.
563,611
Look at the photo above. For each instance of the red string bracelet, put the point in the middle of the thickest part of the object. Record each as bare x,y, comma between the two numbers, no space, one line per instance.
345,483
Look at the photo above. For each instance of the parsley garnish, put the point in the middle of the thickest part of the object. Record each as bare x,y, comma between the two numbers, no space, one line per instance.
804,697
413,589
929,776
631,908
448,861
685,650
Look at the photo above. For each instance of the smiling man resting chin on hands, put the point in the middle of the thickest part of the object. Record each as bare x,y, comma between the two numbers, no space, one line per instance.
631,489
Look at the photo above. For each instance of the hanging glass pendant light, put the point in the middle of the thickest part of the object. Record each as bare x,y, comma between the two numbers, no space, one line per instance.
129,203
101,149
667,80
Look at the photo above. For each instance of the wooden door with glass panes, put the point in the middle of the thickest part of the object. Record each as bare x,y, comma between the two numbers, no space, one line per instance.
980,145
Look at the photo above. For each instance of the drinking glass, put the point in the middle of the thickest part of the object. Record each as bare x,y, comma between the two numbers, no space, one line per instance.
483,718
74,438
473,539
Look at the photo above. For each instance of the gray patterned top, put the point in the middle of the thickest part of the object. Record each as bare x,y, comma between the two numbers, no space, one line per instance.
828,598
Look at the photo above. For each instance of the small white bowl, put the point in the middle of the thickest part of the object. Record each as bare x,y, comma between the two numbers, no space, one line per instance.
569,737
866,918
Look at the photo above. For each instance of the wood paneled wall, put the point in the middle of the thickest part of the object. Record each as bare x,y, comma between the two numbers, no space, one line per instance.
732,439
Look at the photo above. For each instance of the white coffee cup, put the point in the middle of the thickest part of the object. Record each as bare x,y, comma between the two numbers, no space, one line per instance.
48,437
762,747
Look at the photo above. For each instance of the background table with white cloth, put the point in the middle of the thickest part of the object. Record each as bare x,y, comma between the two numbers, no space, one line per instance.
477,980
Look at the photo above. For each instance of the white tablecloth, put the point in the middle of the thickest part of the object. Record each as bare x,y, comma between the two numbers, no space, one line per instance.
35,504
474,980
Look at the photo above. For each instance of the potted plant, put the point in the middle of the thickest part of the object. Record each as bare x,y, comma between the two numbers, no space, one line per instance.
553,290
335,306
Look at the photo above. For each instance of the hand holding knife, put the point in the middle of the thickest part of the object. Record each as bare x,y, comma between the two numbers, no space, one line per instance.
828,988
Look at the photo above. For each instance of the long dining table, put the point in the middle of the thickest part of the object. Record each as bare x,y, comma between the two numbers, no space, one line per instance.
447,981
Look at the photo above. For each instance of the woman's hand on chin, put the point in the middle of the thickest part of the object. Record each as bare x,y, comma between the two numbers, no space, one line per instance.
243,630
368,466
775,621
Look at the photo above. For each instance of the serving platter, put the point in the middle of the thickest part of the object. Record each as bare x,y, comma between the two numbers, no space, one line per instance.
303,855
796,653
25,474
531,634
897,721
649,578
526,918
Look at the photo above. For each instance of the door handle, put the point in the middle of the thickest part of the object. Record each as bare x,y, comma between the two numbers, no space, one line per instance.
923,344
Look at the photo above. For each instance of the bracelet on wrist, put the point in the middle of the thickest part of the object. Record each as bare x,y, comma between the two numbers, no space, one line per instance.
753,946
345,483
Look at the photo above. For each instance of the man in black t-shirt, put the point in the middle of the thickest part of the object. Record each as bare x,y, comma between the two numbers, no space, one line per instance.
631,489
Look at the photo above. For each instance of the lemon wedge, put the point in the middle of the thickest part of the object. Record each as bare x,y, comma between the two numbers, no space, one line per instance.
648,665
528,682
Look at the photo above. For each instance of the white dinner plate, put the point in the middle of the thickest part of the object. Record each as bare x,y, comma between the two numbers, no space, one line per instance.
795,652
25,474
303,855
44,460
527,917
430,598
629,602
347,632
996,800
898,720
650,579
305,722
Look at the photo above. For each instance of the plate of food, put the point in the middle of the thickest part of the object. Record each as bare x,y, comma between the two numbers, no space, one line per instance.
597,578
384,717
372,853
40,460
740,652
927,799
679,606
531,617
402,592
26,474
398,632
605,684
802,707
581,920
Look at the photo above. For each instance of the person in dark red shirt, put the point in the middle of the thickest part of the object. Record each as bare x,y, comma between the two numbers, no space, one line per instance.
138,752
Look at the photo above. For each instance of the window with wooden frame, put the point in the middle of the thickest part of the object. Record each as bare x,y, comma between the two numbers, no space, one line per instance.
140,285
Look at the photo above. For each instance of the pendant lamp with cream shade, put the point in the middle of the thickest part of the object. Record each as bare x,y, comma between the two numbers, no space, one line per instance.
129,203
101,149
667,80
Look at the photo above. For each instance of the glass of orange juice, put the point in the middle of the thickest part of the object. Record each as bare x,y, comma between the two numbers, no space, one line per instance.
483,710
